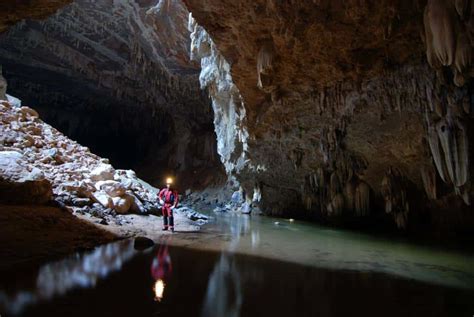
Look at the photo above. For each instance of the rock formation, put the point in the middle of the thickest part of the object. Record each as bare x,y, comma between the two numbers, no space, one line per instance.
38,163
329,110
340,112
13,11
116,76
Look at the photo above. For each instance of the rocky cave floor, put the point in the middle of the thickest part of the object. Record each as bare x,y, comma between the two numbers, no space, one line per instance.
58,198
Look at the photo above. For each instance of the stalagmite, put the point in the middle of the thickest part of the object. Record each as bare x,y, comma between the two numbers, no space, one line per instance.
428,176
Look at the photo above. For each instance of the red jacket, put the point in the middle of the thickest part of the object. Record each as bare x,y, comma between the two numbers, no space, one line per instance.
170,197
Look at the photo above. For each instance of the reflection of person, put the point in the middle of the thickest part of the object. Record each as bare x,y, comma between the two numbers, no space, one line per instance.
169,200
161,269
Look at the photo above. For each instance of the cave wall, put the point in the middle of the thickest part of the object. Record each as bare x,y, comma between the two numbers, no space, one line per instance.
337,106
335,109
116,76
13,11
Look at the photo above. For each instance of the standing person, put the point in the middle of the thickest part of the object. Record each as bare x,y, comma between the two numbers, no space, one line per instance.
169,199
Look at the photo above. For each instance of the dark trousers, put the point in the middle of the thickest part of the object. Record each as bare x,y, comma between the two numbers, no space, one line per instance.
167,213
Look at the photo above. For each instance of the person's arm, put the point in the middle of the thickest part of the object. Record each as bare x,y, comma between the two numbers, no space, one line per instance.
176,198
160,196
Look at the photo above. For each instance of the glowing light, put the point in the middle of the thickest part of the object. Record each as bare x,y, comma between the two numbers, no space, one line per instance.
159,289
169,180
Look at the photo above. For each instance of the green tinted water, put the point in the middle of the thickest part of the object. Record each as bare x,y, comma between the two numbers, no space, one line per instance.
320,246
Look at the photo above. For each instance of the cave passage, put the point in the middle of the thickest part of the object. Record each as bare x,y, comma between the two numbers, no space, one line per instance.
124,97
228,158
254,266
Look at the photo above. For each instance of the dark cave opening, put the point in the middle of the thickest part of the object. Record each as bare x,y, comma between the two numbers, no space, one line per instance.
132,135
123,132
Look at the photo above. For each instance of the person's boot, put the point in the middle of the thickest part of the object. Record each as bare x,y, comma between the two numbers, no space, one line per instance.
165,229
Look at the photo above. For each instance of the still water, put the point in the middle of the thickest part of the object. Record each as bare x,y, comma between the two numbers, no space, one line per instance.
251,266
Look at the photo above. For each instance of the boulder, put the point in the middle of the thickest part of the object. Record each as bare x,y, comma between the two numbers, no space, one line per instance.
246,208
81,202
142,243
27,111
122,204
112,188
102,172
21,183
137,206
237,197
102,198
15,102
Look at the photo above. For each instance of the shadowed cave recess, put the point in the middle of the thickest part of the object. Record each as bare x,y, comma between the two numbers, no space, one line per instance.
117,78
345,112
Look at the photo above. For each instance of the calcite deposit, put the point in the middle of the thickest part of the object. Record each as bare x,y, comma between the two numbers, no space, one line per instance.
340,112
330,110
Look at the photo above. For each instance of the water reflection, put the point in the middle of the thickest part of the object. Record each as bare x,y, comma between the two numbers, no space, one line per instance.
80,271
161,269
224,294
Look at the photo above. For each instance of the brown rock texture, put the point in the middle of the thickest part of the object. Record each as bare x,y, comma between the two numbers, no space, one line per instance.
339,101
13,11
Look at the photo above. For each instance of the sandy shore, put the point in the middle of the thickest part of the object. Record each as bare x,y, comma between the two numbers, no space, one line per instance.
32,234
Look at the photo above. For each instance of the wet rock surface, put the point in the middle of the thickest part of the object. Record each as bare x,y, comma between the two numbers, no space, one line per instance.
330,103
336,111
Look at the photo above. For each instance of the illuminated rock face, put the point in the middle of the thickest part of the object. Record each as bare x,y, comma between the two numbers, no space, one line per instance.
116,76
321,109
336,102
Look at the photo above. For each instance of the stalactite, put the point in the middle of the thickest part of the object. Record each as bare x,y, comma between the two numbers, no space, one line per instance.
462,7
439,27
463,52
362,199
393,189
428,176
446,137
334,184
264,61
350,195
461,154
337,205
433,141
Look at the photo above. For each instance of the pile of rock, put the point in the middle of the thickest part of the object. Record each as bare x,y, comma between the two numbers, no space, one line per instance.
38,163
